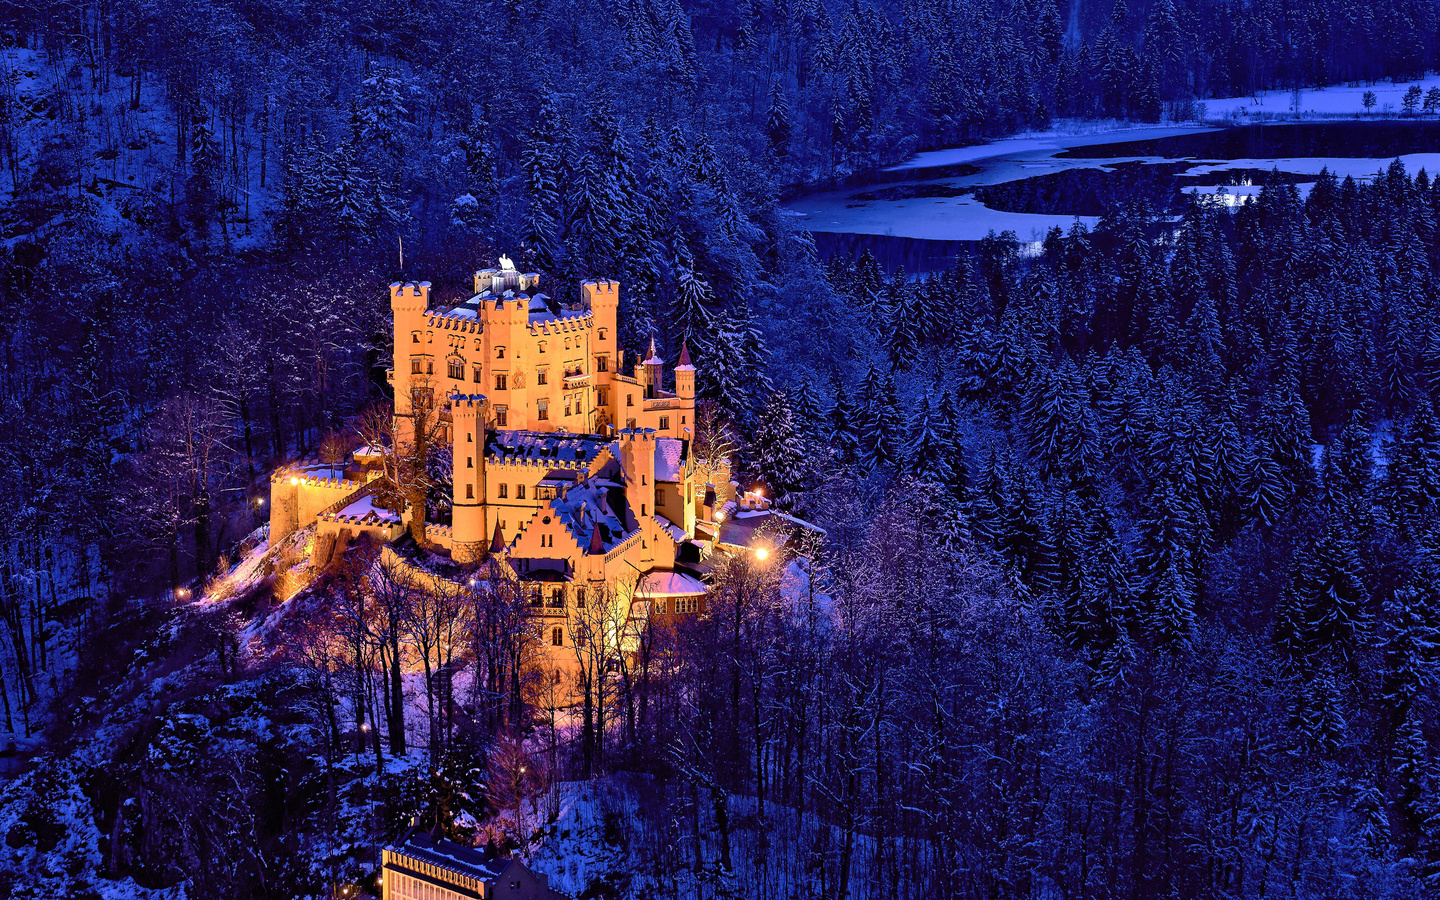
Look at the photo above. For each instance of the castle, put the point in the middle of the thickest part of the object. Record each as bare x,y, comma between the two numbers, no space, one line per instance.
573,477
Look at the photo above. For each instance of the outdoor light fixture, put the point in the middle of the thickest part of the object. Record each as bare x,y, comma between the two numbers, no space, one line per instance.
761,553
294,480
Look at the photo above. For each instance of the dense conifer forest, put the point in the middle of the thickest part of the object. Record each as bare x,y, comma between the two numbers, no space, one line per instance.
1131,578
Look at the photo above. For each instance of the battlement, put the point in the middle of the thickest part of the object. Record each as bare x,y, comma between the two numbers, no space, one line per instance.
298,478
410,293
467,402
635,434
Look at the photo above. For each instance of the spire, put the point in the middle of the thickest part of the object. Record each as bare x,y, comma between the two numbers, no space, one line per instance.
597,546
654,357
684,355
497,543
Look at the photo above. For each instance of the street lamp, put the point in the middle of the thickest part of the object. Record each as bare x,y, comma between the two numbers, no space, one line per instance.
761,553
294,481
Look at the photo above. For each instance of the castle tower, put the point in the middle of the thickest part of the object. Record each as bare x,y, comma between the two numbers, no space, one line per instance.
467,502
685,375
408,303
603,298
506,320
652,379
637,459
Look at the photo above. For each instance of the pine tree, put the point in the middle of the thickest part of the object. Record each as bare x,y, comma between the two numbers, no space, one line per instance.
781,452
841,422
1166,591
777,122
1324,607
879,422
927,453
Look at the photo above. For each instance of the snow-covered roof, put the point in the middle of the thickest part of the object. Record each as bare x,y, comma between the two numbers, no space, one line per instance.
669,455
754,527
448,855
591,504
669,584
557,449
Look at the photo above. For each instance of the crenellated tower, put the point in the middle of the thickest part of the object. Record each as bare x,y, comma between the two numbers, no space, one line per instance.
467,504
408,303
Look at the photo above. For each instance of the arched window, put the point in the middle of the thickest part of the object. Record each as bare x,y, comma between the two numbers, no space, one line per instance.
557,636
456,367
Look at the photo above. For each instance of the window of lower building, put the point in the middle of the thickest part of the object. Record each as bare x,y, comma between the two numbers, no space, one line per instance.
580,597
557,598
687,604
664,423
658,606
542,410
557,636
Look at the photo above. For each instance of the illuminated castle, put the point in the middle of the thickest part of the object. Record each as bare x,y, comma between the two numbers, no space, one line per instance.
572,476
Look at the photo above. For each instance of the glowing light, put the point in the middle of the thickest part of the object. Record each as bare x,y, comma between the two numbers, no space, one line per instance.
294,480
761,553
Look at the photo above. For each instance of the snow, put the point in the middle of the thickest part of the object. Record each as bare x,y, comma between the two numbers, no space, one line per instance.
365,507
670,584
1329,102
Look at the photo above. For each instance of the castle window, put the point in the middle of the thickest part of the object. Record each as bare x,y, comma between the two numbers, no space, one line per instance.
519,492
502,415
500,381
417,366
682,418
479,375
499,352
642,512
567,404
557,598
469,492
659,499
540,376
601,365
469,462
629,399
429,367
602,334
600,396
469,437
457,369
542,410
414,337
541,347
557,636
629,423
580,597
664,423
503,492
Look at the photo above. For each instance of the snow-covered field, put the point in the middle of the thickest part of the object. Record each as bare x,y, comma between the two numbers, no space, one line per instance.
1313,103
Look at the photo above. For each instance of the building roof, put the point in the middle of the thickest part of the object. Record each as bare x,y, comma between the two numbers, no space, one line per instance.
596,504
448,855
753,527
669,456
669,584
556,448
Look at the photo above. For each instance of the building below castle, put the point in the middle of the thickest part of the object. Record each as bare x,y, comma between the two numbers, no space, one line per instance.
421,867
576,479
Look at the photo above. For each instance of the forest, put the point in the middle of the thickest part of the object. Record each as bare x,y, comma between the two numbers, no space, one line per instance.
1129,584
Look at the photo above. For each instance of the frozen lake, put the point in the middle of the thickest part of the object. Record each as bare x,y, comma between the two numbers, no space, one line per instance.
927,209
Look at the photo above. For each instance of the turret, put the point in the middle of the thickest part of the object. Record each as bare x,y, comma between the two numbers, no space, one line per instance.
467,503
650,375
408,303
685,374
